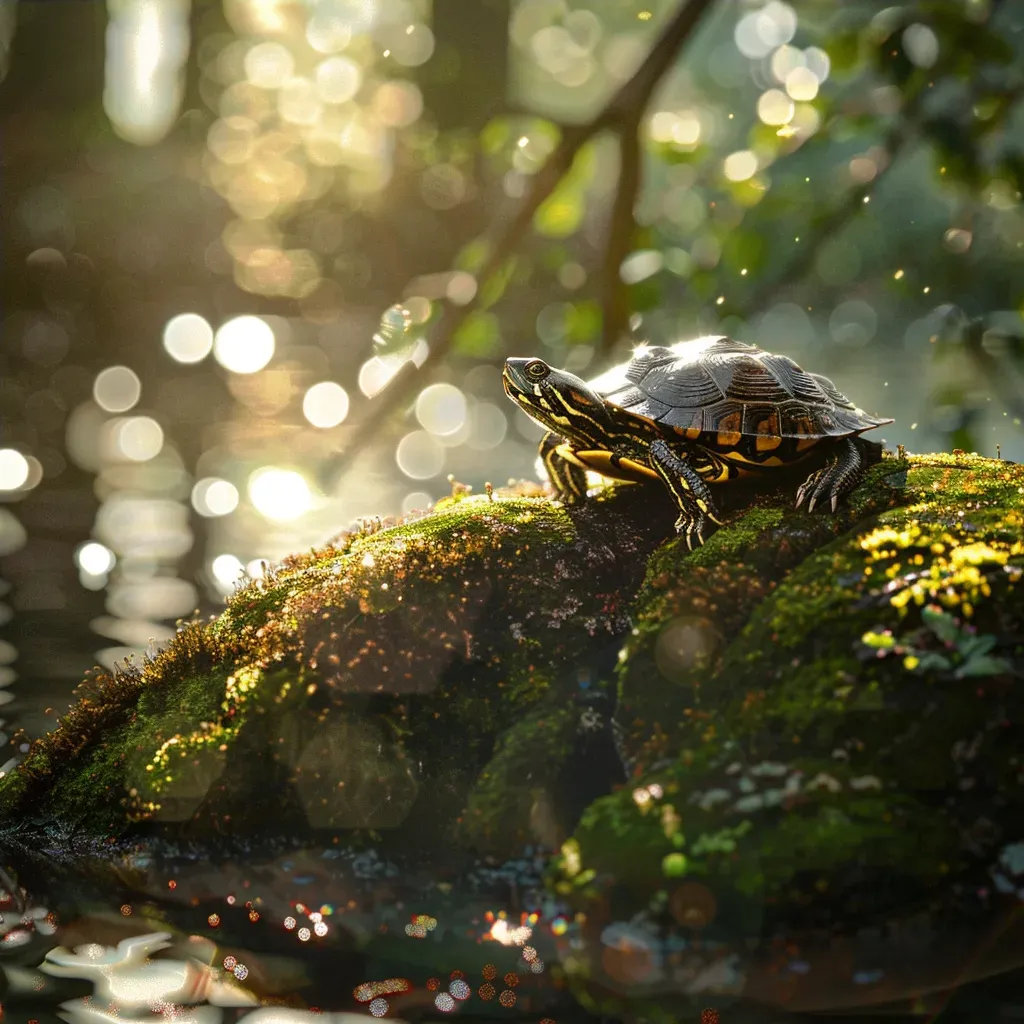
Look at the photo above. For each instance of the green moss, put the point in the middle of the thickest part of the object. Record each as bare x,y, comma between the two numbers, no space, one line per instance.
693,604
853,733
430,631
733,542
94,781
511,803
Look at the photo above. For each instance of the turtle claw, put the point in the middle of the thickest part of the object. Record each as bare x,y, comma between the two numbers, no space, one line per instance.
692,529
570,497
837,477
807,488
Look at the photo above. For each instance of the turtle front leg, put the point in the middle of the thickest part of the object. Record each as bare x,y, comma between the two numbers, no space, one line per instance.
568,479
692,494
842,472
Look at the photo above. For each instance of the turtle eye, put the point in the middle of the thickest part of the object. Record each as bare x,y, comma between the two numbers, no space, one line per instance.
536,370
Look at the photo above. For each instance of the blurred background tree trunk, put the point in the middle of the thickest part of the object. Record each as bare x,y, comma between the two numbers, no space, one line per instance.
465,83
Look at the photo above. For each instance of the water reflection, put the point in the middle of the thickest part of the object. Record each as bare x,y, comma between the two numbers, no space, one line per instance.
307,935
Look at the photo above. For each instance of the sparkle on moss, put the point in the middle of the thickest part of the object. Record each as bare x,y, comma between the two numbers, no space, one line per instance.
958,569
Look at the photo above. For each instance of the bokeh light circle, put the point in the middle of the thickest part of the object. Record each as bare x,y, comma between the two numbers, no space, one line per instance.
188,338
416,501
116,389
802,84
139,438
854,322
420,455
444,1002
488,426
279,494
212,496
227,569
441,409
338,79
94,558
14,469
775,107
325,404
269,65
741,165
244,344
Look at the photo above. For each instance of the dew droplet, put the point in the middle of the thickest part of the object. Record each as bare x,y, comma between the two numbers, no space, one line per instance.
394,323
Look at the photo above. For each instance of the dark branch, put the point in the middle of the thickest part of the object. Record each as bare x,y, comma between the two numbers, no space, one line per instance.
897,139
628,104
623,111
403,385
905,130
620,236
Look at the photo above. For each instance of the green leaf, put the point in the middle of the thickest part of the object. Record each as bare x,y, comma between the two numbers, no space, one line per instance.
645,295
494,287
844,51
561,214
975,646
880,641
673,865
472,256
495,134
744,250
983,665
941,623
932,662
582,322
479,336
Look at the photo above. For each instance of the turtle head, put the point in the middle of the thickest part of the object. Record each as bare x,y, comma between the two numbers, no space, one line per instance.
557,399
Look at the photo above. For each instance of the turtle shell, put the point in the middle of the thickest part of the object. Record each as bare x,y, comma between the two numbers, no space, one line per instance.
732,390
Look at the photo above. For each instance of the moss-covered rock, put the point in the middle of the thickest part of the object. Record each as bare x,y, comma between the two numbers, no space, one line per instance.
362,686
825,745
817,715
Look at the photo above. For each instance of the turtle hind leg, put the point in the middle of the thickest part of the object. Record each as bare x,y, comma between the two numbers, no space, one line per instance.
692,494
568,479
843,470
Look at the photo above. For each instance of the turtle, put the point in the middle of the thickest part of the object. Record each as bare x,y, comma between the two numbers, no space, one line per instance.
694,414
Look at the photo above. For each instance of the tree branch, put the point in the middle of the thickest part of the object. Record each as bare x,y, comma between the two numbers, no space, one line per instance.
402,386
621,224
829,225
631,99
905,130
625,109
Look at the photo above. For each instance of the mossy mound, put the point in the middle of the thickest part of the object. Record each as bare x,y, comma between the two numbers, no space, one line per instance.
359,687
827,798
817,713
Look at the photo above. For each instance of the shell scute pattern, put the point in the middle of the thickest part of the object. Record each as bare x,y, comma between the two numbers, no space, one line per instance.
683,418
687,385
762,419
724,417
727,388
832,392
627,397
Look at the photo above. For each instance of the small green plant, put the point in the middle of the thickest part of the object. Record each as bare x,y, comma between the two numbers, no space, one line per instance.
943,644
